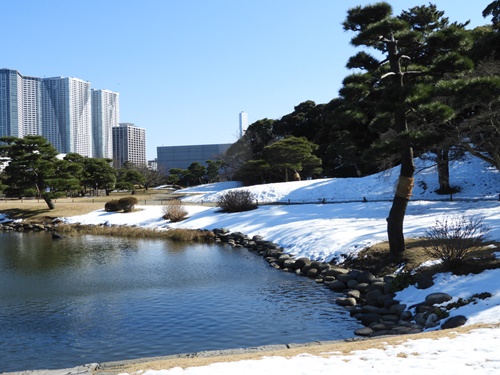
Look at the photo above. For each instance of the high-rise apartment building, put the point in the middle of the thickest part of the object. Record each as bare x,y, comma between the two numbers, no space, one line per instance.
71,116
129,144
66,114
32,108
11,102
105,116
20,97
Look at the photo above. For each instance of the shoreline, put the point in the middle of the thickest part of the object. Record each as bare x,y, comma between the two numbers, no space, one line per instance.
319,348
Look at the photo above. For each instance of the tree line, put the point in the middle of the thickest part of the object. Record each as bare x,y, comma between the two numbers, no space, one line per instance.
33,169
430,84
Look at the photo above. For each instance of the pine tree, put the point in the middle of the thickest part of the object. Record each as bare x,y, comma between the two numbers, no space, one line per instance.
417,48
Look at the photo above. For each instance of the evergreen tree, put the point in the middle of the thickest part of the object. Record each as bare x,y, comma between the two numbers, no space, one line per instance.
99,174
413,49
293,155
31,168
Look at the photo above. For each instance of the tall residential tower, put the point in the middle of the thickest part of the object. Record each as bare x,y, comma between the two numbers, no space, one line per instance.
66,114
11,103
105,115
20,98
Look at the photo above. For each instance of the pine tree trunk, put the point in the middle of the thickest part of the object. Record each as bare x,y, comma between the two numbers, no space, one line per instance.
400,201
405,184
49,201
443,171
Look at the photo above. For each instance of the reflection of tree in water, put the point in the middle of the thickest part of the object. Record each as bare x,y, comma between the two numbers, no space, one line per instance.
39,252
36,252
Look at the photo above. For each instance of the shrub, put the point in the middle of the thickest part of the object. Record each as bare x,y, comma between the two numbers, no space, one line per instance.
452,239
112,206
174,211
127,203
236,201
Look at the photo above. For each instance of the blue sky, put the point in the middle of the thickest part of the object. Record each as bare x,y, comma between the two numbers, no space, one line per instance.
185,69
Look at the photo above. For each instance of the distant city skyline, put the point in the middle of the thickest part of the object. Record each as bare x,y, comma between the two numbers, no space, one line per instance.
71,115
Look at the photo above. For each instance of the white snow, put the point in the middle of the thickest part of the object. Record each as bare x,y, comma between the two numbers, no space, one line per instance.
327,231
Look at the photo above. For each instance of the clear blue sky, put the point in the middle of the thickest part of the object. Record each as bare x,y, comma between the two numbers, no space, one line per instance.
185,69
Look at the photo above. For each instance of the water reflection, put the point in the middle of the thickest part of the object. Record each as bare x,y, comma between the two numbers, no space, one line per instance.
95,299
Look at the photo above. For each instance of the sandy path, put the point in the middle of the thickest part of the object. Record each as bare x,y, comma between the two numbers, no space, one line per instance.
317,349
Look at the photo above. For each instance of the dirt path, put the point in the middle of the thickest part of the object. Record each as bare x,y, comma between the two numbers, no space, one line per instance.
317,349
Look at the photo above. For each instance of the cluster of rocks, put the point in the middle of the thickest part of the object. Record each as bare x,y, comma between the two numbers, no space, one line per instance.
22,227
368,298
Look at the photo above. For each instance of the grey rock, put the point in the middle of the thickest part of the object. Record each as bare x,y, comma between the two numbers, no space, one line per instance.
454,322
362,287
371,297
345,277
364,332
365,277
378,327
397,309
406,316
301,262
352,284
425,281
337,286
354,294
367,319
335,271
312,272
380,285
432,321
345,301
437,298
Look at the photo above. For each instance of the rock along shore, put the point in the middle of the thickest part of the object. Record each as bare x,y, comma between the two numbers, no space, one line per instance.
368,298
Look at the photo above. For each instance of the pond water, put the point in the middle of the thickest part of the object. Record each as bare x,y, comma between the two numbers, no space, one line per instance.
91,299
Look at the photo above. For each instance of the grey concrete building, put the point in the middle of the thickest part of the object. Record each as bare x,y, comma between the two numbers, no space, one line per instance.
170,157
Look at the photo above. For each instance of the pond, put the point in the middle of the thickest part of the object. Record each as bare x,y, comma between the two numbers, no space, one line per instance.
89,299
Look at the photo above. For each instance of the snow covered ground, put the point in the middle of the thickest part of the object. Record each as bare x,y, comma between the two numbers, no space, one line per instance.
326,231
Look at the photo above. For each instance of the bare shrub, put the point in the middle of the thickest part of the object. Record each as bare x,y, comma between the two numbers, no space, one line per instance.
174,211
127,204
236,201
451,239
112,206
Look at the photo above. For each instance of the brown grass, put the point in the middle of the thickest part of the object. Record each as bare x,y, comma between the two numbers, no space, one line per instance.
37,210
137,232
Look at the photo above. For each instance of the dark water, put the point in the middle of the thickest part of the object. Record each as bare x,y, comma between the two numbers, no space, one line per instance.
95,299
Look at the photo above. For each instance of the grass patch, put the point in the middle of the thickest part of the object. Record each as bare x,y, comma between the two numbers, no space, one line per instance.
36,210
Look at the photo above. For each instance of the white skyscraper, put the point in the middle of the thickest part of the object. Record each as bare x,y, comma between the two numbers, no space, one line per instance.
66,114
11,103
105,115
243,123
129,144
32,106
20,98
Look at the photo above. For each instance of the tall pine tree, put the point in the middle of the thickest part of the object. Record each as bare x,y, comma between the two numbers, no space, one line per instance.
411,53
